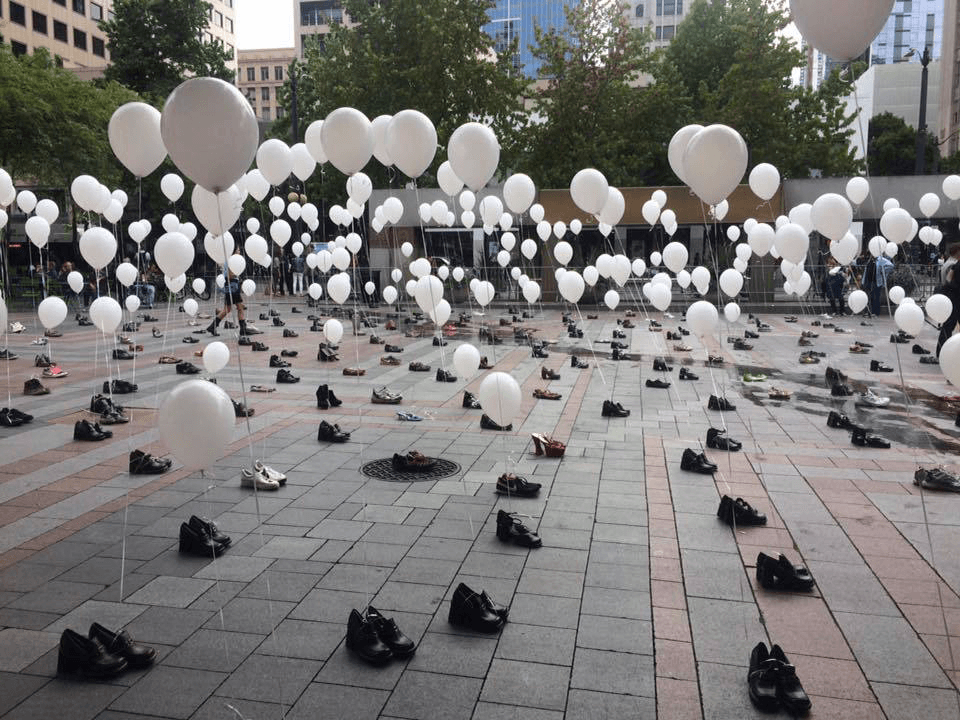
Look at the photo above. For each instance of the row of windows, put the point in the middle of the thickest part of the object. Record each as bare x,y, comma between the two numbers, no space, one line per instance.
265,73
264,94
18,15
320,12
664,7
217,18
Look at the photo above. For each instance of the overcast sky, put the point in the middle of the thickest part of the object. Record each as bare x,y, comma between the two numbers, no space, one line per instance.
264,24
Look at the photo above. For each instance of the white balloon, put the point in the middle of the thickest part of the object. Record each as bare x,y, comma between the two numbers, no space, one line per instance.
175,284
846,250
393,209
218,248
733,233
190,307
604,264
858,189
506,221
75,281
52,311
389,294
491,209
702,317
98,246
714,162
896,225
192,128
675,256
590,275
659,295
761,238
378,130
909,318
896,294
576,226
731,282
126,274
411,141
248,287
639,267
106,314
700,277
890,204
803,284
132,303
620,272
571,286
832,215
563,252
347,139
410,287
428,292
341,259
613,208
589,190
560,229
611,299
256,248
500,397
396,274
441,313
655,259
420,268
236,263
519,193
841,32
891,250
257,185
677,149
683,279
951,187
503,258
458,274
939,307
134,134
544,229
950,360
275,161
474,153
302,163
338,288
196,422
484,292
764,181
466,360
531,291
792,243
731,311
857,300
467,218
354,243
650,212
217,212
468,200
447,179
216,355
38,230
876,246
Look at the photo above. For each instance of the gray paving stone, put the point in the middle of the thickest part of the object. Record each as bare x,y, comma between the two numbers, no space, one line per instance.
371,553
527,684
20,648
551,582
270,679
167,625
723,691
15,687
367,579
56,596
214,650
536,643
27,576
303,639
179,692
440,548
423,696
323,701
609,602
852,588
171,591
612,672
250,615
618,634
704,532
493,711
467,655
715,575
618,554
905,702
113,615
587,705
724,631
328,605
61,698
547,610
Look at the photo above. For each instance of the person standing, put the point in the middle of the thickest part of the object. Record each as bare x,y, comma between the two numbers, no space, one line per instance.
231,299
297,265
883,266
835,281
950,274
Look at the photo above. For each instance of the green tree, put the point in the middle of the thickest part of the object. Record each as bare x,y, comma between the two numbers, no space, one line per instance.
156,44
53,126
892,146
736,66
594,110
430,55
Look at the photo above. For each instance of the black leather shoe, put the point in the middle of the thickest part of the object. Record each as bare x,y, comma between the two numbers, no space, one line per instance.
195,542
863,438
470,401
611,409
841,390
445,376
241,411
696,462
142,463
87,657
762,679
245,340
576,362
832,376
658,383
516,486
790,692
285,376
85,430
510,529
487,424
323,401
121,354
276,362
120,387
392,349
540,353
204,526
187,368
469,610
660,365
362,639
334,400
878,366
839,421
750,335
437,342
331,433
718,440
739,512
548,374
920,350
122,645
400,645
493,606
719,403
687,375
781,574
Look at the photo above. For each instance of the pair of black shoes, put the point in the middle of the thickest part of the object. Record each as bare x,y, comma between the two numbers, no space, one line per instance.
325,354
187,368
445,376
739,512
486,423
720,403
612,409
258,346
511,530
119,387
577,363
470,401
773,682
476,611
276,362
839,421
377,639
102,654
331,433
285,376
539,352
687,375
91,432
841,389
326,398
200,536
692,461
781,574
11,417
658,383
121,354
142,463
879,366
862,437
515,486
718,440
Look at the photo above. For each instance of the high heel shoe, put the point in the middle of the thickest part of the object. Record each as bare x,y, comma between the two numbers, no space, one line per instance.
546,446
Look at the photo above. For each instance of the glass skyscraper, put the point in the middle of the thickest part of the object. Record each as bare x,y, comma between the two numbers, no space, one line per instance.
912,24
518,18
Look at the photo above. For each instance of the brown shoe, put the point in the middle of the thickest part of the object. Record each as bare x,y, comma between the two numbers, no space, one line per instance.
354,372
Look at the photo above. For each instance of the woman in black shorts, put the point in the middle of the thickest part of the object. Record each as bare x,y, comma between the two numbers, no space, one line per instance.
231,298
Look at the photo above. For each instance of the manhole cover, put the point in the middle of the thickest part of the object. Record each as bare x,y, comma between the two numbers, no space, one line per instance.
383,470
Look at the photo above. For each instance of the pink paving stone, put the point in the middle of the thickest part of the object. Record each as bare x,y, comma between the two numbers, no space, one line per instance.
675,660
11,513
38,499
662,528
830,677
659,497
671,624
665,569
921,593
860,510
940,646
869,528
12,557
790,619
925,619
872,486
47,539
659,510
678,699
892,547
845,709
860,463
667,594
900,568
664,547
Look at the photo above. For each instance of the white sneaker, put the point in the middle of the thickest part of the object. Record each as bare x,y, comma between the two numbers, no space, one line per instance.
871,399
269,472
259,480
39,341
17,327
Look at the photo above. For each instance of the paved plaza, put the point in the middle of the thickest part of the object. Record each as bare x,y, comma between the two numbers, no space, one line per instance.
640,604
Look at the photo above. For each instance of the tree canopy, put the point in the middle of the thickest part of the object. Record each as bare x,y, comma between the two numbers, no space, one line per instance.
155,44
892,148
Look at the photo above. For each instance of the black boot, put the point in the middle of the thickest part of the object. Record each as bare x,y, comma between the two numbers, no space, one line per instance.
212,328
334,400
243,327
323,398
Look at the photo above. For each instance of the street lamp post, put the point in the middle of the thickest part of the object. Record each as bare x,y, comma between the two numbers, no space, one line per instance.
921,155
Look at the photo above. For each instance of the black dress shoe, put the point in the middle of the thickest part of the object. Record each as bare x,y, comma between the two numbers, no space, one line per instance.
661,384
334,400
832,376
87,657
142,463
285,376
839,421
122,645
445,376
196,542
276,362
487,424
790,692
687,375
660,365
289,353
762,679
331,433
469,610
121,354
612,409
510,529
240,410
493,606
539,352
288,333
576,362
470,401
208,527
878,366
720,403
863,438
187,368
119,387
781,574
389,633
92,432
323,401
718,440
750,335
516,486
692,461
362,639
841,390
920,350
392,349
437,342
739,512
258,347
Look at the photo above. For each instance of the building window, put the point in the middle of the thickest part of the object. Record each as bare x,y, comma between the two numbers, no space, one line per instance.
79,39
321,12
39,22
99,49
18,48
230,26
80,6
265,114
665,32
218,19
96,11
639,10
229,49
669,7
61,2
251,74
60,31
279,112
228,3
265,94
18,14
278,73
264,73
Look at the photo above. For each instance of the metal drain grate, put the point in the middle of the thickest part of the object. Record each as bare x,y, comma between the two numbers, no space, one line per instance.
383,470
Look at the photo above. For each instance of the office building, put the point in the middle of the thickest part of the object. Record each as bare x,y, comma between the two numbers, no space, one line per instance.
949,126
69,30
260,75
912,24
661,16
519,19
312,21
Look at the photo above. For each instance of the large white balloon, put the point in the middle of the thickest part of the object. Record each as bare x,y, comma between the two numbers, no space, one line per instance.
75,281
939,307
951,187
338,287
52,311
531,291
280,232
613,208
909,318
196,422
589,190
106,314
764,181
474,153
98,246
219,248
950,360
929,204
519,193
275,161
134,134
347,139
38,230
832,215
731,311
500,397
126,274
193,124
216,355
675,154
840,30
675,256
660,295
702,317
571,286
411,141
563,252
217,212
429,292
858,189
484,292
176,284
857,300
302,163
714,162
173,254
896,225
447,179
792,242
466,360
731,282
